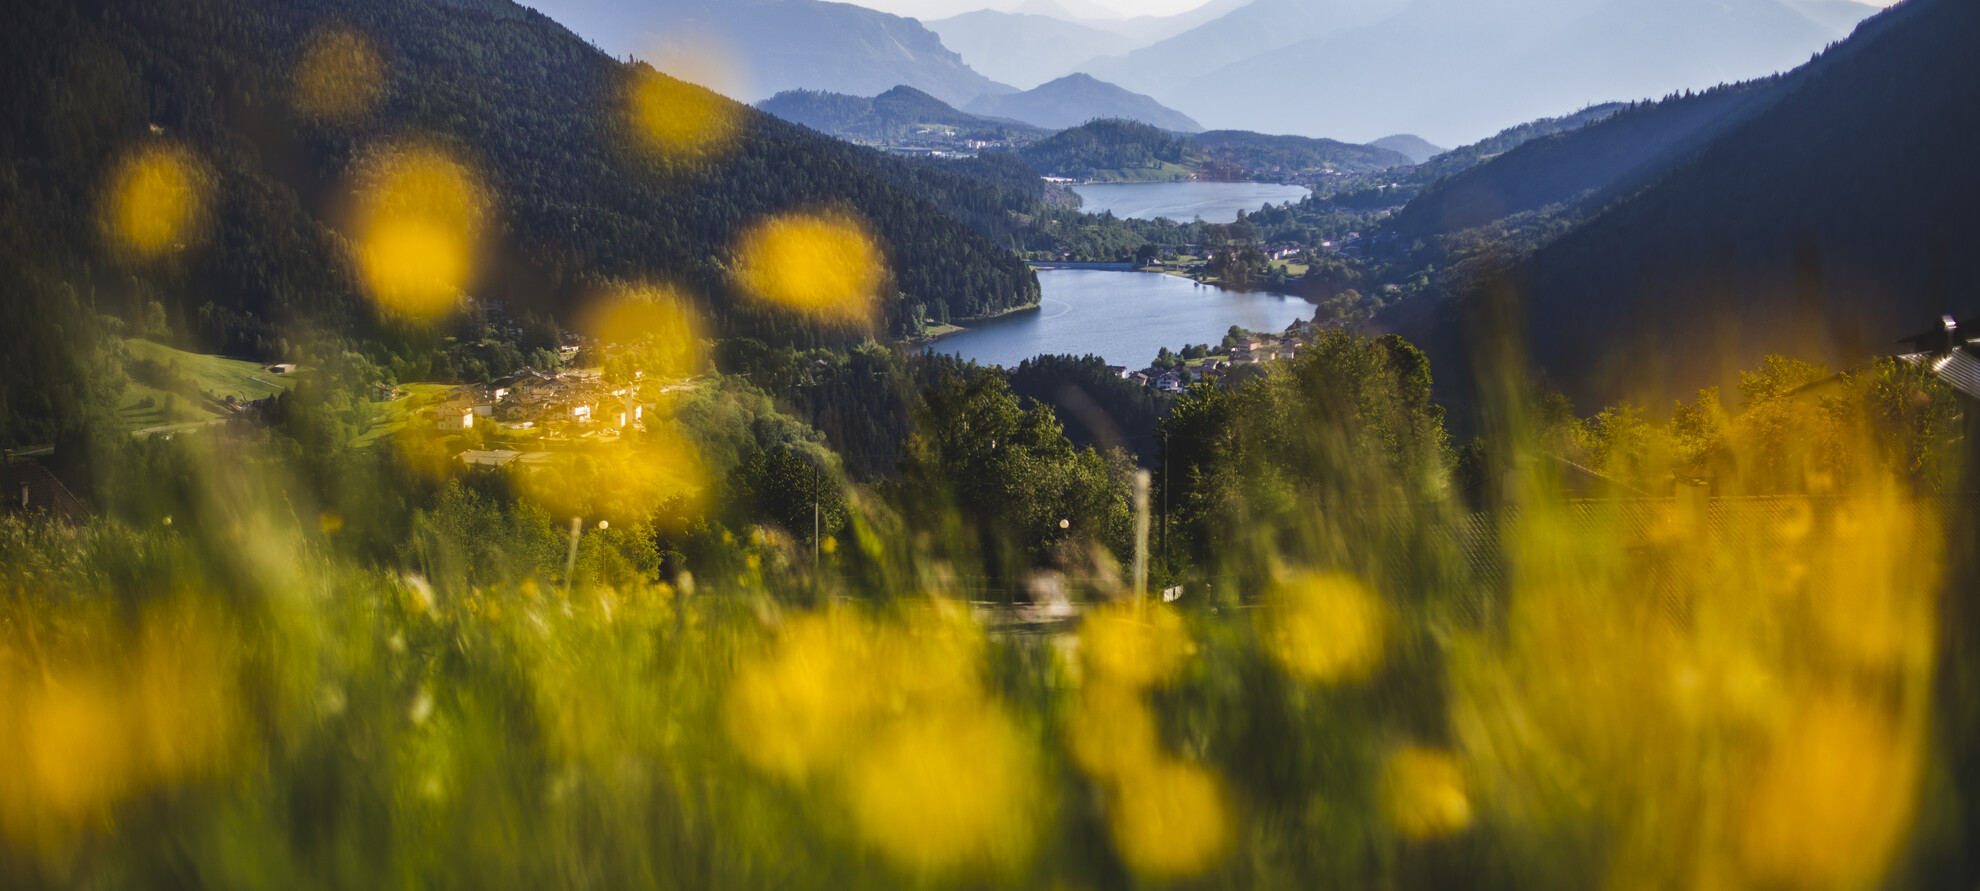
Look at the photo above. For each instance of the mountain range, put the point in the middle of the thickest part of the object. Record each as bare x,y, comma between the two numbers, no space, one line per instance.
754,49
1075,99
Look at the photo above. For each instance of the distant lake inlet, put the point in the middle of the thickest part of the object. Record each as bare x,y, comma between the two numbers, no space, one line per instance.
1183,202
1122,317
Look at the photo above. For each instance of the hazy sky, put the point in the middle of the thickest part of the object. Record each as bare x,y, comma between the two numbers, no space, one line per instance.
936,9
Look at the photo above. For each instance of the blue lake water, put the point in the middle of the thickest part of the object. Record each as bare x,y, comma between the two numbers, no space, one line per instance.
1123,317
1183,202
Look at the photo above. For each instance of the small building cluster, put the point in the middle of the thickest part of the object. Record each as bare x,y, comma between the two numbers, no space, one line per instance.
1254,349
534,400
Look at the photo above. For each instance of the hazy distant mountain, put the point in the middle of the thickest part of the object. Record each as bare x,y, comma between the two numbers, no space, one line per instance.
1024,50
1842,15
1454,70
1242,33
1829,219
1037,43
888,116
777,45
1077,98
1416,148
1067,10
1141,30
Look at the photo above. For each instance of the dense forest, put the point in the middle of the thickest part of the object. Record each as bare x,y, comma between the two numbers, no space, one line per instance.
1110,150
1118,150
1241,155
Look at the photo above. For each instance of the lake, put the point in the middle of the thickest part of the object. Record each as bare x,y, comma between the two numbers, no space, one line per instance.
1123,317
1183,202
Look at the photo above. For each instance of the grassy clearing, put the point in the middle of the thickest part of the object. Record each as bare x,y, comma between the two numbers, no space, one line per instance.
177,395
391,417
1166,173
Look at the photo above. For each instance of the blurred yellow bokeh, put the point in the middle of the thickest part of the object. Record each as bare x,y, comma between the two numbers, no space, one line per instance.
800,707
949,788
340,77
157,200
620,481
80,756
937,776
1170,819
1326,627
655,325
117,717
680,122
1423,793
823,265
1113,733
1831,800
419,220
1134,646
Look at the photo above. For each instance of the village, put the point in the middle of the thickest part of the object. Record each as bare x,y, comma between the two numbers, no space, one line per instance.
1224,363
527,416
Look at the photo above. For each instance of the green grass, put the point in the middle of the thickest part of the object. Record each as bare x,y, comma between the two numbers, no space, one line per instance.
1167,173
390,417
218,375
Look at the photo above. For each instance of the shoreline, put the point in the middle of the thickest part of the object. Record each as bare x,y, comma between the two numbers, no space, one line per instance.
958,326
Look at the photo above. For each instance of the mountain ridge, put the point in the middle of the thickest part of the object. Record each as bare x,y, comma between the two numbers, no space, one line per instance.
1077,98
888,116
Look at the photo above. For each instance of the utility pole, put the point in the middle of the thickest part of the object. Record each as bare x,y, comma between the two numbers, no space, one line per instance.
570,560
1140,537
1165,498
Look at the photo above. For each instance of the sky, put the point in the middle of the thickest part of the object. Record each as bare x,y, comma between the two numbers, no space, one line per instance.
936,9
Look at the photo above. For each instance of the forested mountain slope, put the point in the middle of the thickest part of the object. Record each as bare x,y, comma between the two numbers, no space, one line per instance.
1826,225
538,115
1256,154
1583,165
890,115
1130,151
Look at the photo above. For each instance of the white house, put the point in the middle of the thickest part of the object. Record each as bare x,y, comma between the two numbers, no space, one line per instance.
455,417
